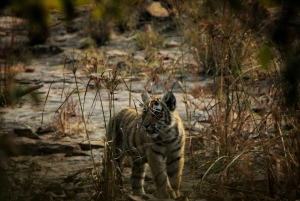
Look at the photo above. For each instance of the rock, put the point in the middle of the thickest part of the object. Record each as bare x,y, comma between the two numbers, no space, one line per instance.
29,69
56,188
150,197
141,198
78,154
82,196
10,22
38,36
75,25
122,65
167,55
45,129
25,131
26,145
172,44
45,147
46,49
155,9
54,196
7,148
238,196
115,53
19,42
216,197
61,38
86,43
139,58
93,144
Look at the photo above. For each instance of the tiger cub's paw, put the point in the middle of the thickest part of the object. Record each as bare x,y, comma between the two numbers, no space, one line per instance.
165,193
140,197
139,192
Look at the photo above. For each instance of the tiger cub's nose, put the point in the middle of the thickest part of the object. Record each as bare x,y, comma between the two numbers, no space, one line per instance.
145,127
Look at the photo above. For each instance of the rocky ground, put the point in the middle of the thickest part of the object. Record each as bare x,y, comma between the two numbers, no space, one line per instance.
47,155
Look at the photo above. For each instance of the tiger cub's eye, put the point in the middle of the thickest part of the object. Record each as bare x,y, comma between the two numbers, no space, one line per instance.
158,114
144,111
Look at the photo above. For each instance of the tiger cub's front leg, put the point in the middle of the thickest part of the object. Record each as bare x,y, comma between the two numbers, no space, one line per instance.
175,162
159,174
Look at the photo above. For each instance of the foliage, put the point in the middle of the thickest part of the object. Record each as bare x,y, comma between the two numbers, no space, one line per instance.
226,37
114,9
150,41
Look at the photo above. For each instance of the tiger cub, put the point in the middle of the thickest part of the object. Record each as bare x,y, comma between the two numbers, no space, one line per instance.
151,136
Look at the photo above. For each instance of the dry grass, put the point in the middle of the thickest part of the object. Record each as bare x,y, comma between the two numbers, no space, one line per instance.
150,41
248,136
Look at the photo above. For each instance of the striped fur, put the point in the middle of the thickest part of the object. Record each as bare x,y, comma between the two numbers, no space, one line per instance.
155,136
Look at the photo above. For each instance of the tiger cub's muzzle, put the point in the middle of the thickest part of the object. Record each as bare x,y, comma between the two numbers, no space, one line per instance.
150,130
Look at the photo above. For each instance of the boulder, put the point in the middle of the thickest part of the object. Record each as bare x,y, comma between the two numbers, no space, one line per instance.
25,131
92,144
155,9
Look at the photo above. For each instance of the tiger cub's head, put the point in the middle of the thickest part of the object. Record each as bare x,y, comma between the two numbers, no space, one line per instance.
157,113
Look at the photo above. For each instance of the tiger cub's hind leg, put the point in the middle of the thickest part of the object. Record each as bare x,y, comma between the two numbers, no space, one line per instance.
137,177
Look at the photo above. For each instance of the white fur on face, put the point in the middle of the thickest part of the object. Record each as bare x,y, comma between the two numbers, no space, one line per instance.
157,107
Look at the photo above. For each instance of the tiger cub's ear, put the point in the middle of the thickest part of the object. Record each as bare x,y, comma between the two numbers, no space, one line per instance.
170,100
145,96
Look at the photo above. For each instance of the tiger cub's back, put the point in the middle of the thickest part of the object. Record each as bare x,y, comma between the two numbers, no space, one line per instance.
123,130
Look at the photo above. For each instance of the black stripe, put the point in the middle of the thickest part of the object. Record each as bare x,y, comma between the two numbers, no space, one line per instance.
132,151
127,140
177,130
172,140
168,130
174,160
133,176
176,135
159,138
158,141
145,160
157,152
179,141
177,149
168,119
139,187
133,139
173,172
